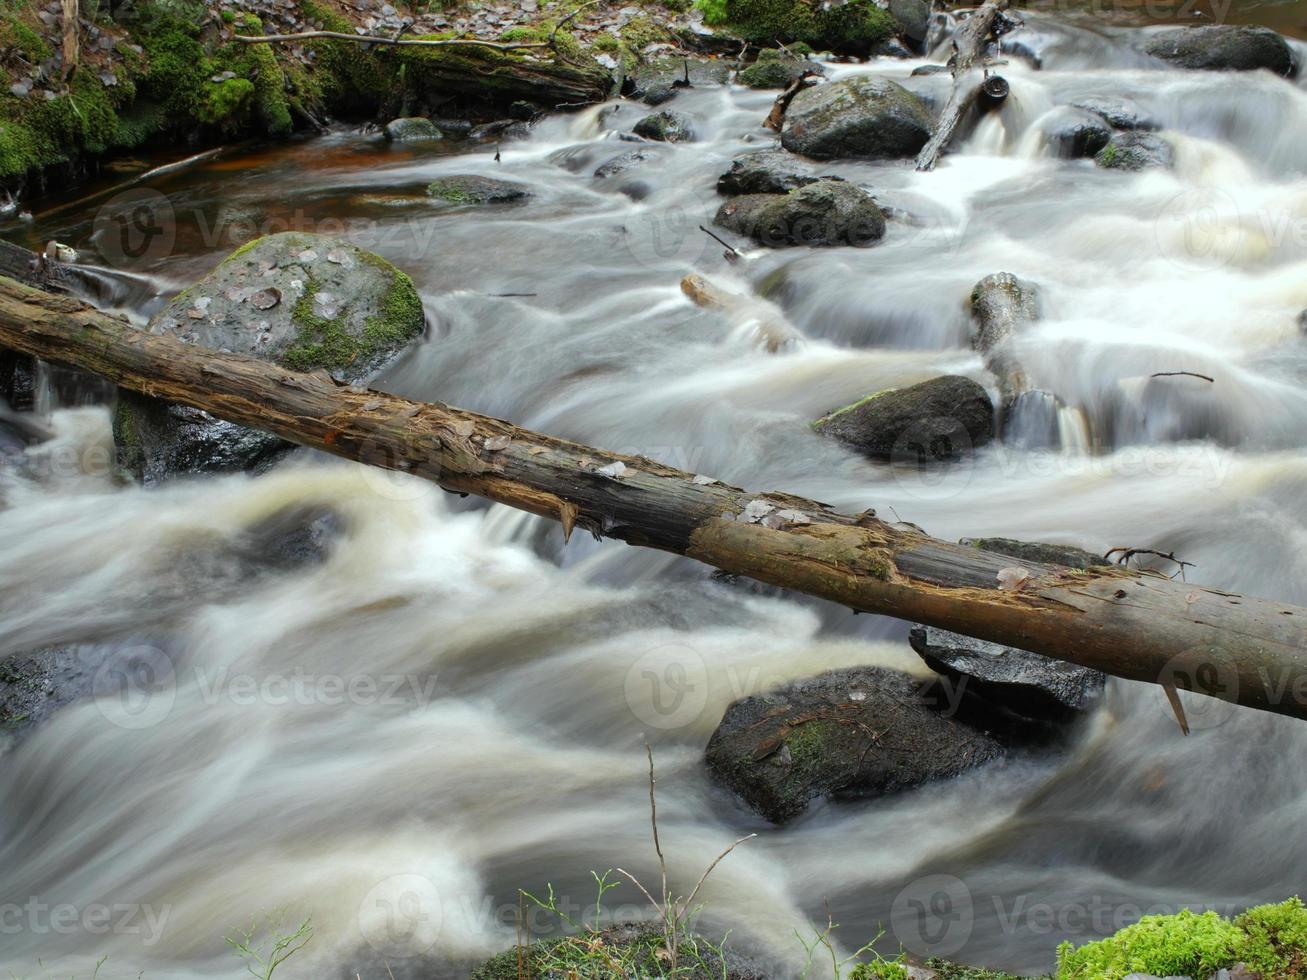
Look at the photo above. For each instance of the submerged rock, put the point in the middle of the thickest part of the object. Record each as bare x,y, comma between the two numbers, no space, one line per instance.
765,172
474,189
666,126
1118,113
1001,304
1025,683
302,301
412,128
1136,150
938,420
1224,47
630,160
852,733
776,69
1074,133
864,116
826,212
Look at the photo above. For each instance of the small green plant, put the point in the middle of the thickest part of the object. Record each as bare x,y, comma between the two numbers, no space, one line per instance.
264,947
714,11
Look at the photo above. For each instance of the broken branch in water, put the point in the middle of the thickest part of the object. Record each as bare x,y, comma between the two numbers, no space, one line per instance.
776,118
392,41
732,253
1187,374
1128,553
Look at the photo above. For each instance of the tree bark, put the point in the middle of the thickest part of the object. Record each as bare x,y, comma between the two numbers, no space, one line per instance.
1134,625
969,41
71,44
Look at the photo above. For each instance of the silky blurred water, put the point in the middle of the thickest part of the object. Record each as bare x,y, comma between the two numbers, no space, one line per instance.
452,705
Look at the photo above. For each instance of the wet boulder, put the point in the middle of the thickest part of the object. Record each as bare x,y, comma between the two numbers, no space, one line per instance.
864,116
1118,113
913,17
657,82
412,129
776,69
1073,133
1224,47
937,420
1136,150
765,172
305,302
475,189
17,380
1001,304
1019,681
666,127
855,733
827,212
620,164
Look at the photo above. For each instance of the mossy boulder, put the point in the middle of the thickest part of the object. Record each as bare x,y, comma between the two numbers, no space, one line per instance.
766,172
1224,47
475,189
1136,150
824,213
936,421
305,302
666,126
853,28
412,129
864,116
854,733
776,69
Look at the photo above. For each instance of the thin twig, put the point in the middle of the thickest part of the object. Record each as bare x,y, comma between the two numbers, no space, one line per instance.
393,42
689,902
1187,374
572,15
1128,553
653,819
726,245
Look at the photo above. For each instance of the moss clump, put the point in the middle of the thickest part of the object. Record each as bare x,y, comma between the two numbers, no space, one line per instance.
328,343
848,408
772,72
1270,939
851,28
450,191
642,31
17,35
40,133
259,63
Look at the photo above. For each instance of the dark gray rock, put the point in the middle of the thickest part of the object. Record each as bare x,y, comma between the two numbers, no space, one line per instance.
1074,133
1136,150
412,129
17,380
1118,113
765,172
1001,304
776,69
503,130
658,82
475,189
931,70
1224,47
453,128
864,116
1024,683
303,301
854,733
913,18
827,212
939,420
666,126
630,160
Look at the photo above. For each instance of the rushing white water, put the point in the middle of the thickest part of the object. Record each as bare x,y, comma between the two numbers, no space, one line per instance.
451,705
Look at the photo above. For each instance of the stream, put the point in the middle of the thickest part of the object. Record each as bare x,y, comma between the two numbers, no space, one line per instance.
396,722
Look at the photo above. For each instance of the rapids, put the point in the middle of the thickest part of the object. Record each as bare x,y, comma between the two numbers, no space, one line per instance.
451,705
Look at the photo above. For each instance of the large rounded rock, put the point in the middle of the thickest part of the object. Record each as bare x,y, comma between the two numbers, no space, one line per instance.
765,172
302,301
412,129
1073,133
776,69
475,189
1224,47
1136,150
1118,113
828,212
666,127
853,733
937,420
864,116
913,17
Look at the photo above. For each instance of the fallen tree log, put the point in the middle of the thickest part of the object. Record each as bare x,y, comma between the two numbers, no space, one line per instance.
969,43
1125,622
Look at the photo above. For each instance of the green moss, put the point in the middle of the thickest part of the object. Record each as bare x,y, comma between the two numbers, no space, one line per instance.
770,73
809,744
714,11
642,31
953,971
606,42
450,191
1107,158
17,35
1166,945
259,63
1275,943
224,103
848,408
126,437
853,27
